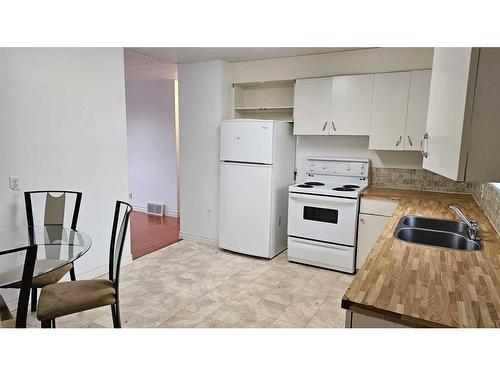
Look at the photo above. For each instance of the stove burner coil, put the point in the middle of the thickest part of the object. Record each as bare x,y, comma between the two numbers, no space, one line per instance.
342,188
314,183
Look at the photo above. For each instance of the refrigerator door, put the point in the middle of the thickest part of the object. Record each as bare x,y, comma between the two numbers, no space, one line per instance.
245,208
247,141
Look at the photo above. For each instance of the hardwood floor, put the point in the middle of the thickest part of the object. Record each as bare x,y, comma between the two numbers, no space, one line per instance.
149,233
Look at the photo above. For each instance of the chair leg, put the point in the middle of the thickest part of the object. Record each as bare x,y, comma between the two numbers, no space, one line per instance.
46,323
34,298
115,313
72,273
53,321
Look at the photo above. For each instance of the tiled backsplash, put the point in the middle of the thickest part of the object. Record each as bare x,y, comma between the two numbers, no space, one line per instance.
417,179
490,202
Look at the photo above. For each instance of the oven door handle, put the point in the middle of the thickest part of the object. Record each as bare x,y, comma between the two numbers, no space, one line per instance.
322,198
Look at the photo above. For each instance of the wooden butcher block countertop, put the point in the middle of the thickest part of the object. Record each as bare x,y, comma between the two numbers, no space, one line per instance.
422,285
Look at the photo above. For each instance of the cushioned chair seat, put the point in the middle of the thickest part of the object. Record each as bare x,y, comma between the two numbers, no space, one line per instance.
11,323
51,277
74,296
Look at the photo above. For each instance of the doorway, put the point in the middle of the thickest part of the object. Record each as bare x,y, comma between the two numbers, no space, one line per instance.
153,158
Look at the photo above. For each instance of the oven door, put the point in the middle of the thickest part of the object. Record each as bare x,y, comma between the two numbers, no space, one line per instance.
322,218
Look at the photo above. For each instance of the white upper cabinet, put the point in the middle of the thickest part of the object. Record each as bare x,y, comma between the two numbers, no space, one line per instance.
463,131
390,104
418,102
390,107
312,106
333,105
352,104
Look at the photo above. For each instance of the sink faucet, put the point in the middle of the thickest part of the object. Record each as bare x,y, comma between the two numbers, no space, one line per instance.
472,226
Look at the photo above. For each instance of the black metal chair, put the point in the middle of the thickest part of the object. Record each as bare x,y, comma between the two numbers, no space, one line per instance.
55,204
6,319
71,297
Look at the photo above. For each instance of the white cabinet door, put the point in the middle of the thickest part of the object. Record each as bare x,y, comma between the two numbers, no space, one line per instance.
312,106
390,102
369,229
418,102
352,104
447,106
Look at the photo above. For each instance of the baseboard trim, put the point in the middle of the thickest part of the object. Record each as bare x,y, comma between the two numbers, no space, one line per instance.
101,270
172,213
197,238
169,213
139,208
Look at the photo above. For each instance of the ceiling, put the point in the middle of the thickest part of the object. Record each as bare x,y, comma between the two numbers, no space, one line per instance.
147,64
140,67
231,54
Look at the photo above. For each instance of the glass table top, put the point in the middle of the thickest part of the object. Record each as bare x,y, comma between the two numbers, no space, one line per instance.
57,246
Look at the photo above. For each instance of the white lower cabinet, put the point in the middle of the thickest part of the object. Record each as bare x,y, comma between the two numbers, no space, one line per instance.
373,217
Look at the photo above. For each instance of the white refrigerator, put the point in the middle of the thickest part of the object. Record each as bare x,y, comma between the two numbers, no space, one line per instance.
257,160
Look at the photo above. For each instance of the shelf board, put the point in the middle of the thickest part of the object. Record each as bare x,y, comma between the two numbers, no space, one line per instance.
275,108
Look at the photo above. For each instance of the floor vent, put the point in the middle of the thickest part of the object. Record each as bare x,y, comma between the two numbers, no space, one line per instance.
156,209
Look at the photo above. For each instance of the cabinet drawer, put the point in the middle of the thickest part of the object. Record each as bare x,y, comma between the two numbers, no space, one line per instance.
383,207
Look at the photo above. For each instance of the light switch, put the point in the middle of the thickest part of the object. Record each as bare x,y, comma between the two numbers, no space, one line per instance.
14,182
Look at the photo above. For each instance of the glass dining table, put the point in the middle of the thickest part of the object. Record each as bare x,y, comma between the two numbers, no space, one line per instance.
56,247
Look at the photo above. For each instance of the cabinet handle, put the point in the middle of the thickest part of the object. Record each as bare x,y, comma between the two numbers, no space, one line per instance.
334,128
362,220
398,141
410,141
425,154
324,126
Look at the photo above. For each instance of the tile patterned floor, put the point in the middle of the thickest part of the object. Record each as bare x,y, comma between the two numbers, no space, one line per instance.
188,284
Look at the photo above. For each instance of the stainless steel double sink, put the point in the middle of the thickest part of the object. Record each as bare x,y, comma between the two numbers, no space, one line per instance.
435,232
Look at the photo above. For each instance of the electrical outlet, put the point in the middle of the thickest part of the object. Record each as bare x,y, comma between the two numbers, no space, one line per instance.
14,182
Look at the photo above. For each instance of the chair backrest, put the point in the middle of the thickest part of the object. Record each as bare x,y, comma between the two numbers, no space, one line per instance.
54,206
118,236
26,281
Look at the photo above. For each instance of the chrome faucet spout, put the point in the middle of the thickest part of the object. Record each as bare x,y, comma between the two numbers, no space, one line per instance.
461,215
472,227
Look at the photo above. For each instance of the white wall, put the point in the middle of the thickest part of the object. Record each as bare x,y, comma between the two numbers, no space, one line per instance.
204,96
351,146
63,126
152,143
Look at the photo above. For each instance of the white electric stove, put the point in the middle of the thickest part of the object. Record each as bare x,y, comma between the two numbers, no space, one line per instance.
323,213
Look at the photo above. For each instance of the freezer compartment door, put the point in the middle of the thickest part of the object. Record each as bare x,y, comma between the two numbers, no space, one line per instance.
245,208
335,257
246,141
